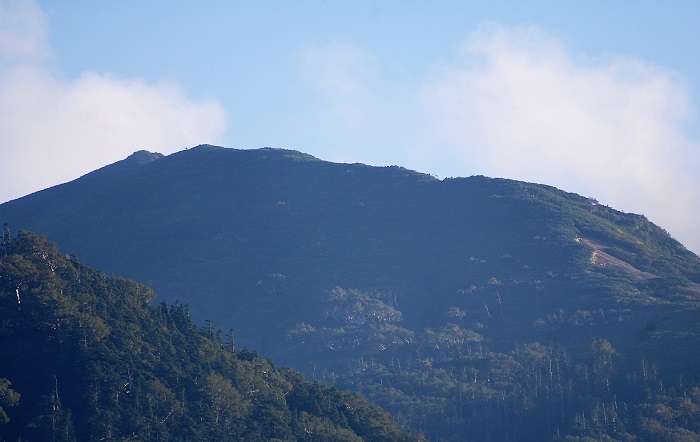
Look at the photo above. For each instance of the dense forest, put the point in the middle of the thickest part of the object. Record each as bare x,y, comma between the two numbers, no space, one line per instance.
447,382
86,357
471,309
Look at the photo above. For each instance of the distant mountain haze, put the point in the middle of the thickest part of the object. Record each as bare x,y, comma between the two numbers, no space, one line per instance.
350,273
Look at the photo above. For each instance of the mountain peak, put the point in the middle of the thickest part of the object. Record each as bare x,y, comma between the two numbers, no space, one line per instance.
133,161
201,147
425,288
143,157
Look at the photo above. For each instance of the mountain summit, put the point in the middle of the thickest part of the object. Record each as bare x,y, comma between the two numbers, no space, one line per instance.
344,269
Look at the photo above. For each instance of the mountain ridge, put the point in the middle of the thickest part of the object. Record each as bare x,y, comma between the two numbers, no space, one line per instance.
238,189
325,266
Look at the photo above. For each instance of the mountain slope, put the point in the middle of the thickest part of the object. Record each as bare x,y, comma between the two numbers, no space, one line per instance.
91,359
346,270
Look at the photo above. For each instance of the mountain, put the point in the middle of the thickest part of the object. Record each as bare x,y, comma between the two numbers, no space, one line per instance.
86,357
461,305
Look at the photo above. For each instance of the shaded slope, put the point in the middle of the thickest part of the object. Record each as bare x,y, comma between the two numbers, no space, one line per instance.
240,234
264,241
93,360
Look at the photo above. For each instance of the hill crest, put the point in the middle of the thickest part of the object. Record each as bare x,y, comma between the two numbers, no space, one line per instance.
343,269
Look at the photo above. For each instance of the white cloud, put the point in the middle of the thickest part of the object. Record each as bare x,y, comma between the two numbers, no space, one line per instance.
22,32
356,114
517,104
342,75
55,130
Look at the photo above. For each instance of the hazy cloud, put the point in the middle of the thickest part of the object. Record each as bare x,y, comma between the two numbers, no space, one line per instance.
358,113
22,32
54,130
518,104
343,77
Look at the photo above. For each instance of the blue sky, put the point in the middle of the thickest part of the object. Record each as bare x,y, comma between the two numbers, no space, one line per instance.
598,98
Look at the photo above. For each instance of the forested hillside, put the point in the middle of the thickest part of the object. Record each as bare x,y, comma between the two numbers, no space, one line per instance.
450,383
471,308
86,357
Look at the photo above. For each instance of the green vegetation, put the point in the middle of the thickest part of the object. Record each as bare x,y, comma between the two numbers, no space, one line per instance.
89,358
466,307
448,384
8,398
